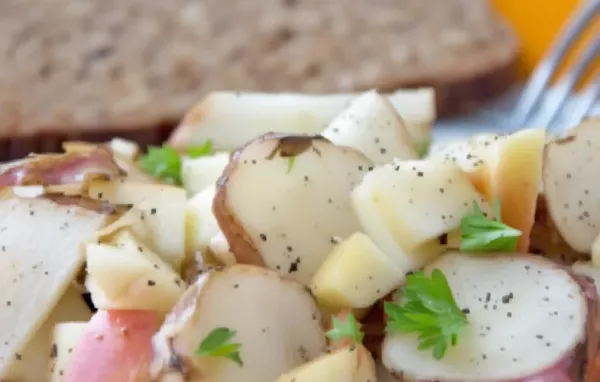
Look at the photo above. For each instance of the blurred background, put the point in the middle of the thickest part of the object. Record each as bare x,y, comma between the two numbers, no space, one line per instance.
93,69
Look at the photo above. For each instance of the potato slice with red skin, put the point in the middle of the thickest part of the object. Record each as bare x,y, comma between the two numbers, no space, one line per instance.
116,346
283,201
276,321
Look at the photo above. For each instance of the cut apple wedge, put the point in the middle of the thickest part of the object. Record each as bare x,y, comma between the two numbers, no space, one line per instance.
418,201
349,364
199,173
162,208
34,360
285,199
130,276
507,169
504,339
355,275
260,113
571,187
65,337
372,126
473,156
115,346
200,223
40,255
124,148
275,320
130,221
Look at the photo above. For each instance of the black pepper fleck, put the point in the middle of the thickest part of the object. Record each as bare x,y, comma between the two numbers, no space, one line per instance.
151,283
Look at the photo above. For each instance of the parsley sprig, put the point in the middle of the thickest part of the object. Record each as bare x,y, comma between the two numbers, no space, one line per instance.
429,309
290,164
347,328
217,344
481,233
165,162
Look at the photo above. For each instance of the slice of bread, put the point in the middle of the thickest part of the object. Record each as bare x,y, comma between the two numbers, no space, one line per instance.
90,68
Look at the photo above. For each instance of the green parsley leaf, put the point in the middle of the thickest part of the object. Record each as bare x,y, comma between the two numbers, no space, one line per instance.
483,234
162,162
217,344
165,162
348,328
290,165
429,310
201,151
422,149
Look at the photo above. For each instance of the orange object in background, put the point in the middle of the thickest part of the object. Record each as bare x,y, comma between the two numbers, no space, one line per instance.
538,23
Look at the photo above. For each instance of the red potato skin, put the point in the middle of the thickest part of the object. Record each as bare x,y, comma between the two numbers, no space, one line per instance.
115,347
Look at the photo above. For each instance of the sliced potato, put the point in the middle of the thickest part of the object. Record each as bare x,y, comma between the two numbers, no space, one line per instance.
588,269
571,189
65,337
200,223
200,173
260,113
499,292
162,208
284,200
417,201
40,256
275,320
372,126
355,275
34,361
596,252
130,276
349,364
219,249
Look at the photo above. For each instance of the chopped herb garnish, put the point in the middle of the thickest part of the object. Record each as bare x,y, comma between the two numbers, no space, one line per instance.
481,233
290,164
201,151
347,328
165,162
422,149
429,309
217,344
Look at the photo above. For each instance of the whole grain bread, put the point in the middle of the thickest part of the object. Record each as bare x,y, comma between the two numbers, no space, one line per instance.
93,68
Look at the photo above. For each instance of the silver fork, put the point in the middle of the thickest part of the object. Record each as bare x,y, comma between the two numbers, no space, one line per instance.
536,89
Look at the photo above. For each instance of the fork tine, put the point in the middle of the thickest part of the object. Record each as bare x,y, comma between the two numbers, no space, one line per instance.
543,73
587,100
565,88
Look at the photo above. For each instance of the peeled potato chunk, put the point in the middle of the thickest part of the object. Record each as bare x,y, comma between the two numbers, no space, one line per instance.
355,275
349,364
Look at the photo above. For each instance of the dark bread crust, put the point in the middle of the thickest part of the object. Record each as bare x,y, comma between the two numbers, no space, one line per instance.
88,68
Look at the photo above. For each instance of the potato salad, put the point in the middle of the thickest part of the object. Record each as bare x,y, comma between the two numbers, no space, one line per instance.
300,238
